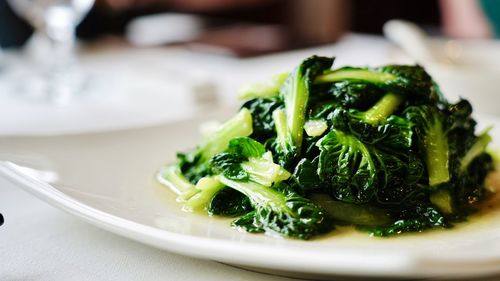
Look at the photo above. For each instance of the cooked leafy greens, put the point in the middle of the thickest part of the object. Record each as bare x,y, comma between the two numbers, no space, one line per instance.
377,148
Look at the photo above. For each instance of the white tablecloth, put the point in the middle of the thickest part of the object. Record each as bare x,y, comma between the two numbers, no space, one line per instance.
39,242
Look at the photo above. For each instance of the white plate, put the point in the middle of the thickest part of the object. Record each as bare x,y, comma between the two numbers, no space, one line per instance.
107,179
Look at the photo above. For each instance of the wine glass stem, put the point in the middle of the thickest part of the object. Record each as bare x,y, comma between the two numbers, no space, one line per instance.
62,75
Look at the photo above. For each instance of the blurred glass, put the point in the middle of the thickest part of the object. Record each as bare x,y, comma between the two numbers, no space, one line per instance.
1,58
56,78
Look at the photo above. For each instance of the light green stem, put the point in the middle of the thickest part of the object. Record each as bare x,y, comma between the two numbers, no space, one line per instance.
383,108
238,126
296,95
354,74
436,145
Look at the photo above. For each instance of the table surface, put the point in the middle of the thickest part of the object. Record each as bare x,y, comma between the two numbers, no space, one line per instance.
40,242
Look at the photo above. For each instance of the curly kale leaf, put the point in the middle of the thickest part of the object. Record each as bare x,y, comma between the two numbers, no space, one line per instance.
280,211
418,219
348,166
229,202
262,115
295,93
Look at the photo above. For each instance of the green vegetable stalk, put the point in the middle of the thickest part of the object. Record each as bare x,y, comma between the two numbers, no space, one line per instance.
377,148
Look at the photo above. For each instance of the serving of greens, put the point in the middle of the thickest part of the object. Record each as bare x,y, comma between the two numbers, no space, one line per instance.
377,148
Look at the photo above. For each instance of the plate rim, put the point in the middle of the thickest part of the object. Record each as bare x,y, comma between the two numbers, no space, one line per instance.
255,255
161,238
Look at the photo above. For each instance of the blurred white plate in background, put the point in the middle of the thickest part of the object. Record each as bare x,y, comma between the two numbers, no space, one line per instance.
474,73
120,91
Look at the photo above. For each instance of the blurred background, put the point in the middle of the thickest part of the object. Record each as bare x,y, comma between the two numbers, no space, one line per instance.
165,59
294,23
